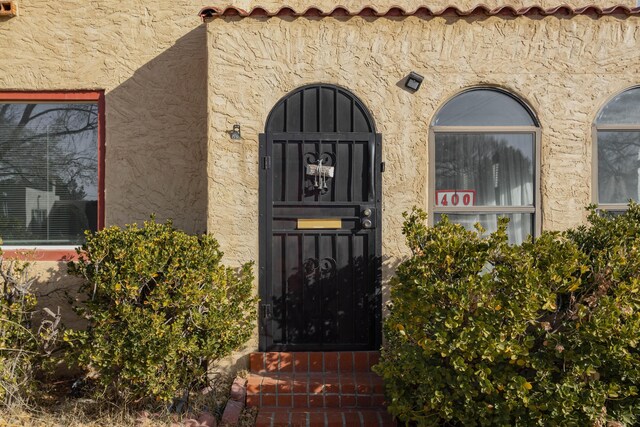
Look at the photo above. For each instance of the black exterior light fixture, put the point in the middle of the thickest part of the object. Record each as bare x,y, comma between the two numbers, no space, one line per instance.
413,82
235,132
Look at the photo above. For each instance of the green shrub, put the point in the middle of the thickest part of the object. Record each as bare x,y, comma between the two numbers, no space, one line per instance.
24,349
160,307
481,332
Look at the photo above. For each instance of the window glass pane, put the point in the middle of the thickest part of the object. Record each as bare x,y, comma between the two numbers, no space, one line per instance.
623,109
609,212
618,166
483,107
520,225
485,169
48,172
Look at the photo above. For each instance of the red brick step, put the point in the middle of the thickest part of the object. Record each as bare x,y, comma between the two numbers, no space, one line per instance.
324,417
305,362
317,389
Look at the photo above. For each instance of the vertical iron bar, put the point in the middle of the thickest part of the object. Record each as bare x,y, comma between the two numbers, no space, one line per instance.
335,175
286,117
336,291
319,285
302,111
284,171
318,147
319,108
285,292
335,110
351,168
371,146
353,120
301,175
303,297
354,280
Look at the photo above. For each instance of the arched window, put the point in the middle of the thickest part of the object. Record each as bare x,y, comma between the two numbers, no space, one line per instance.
485,154
617,151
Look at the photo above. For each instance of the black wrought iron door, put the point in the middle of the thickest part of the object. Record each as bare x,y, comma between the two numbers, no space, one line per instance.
320,237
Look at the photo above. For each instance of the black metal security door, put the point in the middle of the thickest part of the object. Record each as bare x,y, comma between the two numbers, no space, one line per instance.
320,228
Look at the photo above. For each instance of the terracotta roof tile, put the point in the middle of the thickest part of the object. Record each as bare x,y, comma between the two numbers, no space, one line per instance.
7,8
480,9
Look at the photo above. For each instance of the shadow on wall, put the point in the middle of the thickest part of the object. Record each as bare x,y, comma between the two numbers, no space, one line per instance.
389,266
53,286
156,139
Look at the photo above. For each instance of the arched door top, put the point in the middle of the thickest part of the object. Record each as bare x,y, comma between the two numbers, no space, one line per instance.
322,108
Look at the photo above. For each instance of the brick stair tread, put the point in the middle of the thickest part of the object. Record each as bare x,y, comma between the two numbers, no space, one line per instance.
324,417
315,390
362,383
337,361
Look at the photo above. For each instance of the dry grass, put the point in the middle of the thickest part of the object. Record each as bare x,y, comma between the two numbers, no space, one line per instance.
71,413
248,417
55,408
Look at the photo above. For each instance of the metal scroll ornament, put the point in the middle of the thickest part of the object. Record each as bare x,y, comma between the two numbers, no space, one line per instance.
320,167
326,267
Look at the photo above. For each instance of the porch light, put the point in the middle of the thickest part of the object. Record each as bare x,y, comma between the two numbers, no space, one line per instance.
235,133
413,82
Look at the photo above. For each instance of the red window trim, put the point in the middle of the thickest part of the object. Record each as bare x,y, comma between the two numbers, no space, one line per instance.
43,254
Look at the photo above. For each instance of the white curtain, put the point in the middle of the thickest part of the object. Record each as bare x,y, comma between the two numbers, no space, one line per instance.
498,167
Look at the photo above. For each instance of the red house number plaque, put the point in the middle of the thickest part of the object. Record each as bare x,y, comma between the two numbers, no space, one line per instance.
453,198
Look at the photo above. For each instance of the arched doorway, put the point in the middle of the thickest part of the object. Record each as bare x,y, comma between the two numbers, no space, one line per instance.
320,223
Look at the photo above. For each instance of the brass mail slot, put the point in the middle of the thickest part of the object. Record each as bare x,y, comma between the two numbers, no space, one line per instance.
307,223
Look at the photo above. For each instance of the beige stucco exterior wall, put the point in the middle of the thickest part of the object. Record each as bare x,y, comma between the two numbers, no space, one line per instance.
565,69
167,150
149,58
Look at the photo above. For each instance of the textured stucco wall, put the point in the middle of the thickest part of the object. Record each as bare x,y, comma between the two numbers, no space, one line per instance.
150,59
564,69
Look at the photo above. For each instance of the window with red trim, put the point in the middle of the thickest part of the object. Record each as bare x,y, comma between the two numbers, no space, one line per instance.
51,186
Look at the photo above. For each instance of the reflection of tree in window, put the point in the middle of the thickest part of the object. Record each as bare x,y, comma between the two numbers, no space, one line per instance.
48,171
618,151
618,166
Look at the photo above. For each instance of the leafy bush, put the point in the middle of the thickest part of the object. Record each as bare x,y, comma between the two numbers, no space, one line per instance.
545,333
161,306
24,352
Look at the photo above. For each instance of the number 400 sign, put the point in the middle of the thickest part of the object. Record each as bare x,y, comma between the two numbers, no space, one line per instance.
455,198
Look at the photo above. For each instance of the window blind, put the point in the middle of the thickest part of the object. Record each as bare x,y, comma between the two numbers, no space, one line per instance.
48,172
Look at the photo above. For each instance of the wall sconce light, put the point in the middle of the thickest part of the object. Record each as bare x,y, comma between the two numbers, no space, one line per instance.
413,82
235,132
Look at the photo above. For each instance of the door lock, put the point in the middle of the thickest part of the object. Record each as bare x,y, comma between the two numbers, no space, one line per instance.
367,218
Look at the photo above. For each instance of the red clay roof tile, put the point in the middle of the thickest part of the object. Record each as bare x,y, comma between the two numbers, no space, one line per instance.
480,9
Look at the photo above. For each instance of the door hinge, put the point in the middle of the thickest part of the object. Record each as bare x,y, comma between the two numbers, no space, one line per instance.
266,162
383,166
266,311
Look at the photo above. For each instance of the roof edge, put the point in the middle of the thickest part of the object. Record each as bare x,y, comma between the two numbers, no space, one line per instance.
397,11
